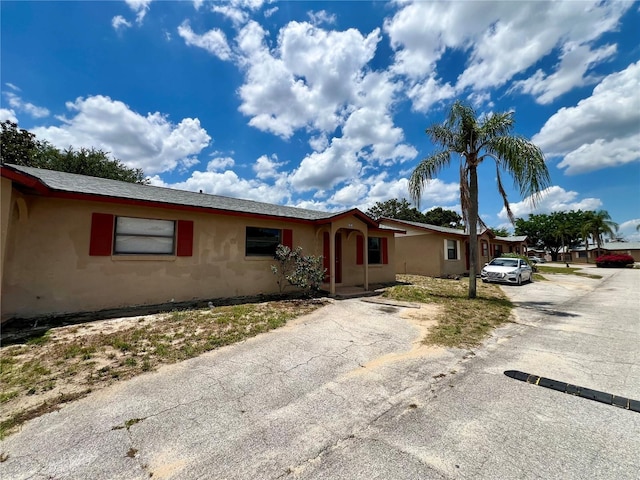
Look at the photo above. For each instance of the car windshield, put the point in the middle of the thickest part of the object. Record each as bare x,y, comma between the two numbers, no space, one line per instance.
504,262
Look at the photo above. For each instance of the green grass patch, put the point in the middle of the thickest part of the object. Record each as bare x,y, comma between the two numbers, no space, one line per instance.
78,358
463,322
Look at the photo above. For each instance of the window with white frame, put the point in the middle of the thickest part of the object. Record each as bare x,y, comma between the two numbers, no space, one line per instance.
262,242
144,236
451,247
485,249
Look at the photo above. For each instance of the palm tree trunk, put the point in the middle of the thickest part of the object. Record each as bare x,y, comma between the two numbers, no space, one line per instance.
473,230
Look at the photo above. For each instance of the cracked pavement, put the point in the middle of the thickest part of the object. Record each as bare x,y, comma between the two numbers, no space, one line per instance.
349,392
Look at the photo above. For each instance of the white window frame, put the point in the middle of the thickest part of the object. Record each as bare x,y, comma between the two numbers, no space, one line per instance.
144,236
446,249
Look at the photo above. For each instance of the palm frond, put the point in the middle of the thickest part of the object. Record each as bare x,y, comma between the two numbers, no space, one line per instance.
503,194
426,170
524,161
496,125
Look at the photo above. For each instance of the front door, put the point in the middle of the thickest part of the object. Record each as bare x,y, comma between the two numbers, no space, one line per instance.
326,254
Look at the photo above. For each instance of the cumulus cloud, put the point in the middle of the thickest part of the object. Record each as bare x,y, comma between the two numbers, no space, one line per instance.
18,104
229,184
552,199
214,41
7,114
628,230
575,62
220,163
601,130
267,167
421,33
119,22
149,142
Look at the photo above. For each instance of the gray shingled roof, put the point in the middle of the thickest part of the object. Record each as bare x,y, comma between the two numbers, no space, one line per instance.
455,231
71,182
513,238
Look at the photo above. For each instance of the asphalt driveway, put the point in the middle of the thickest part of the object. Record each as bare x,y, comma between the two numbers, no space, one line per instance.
348,392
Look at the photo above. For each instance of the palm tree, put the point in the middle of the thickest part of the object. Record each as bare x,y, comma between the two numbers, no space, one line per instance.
598,224
475,139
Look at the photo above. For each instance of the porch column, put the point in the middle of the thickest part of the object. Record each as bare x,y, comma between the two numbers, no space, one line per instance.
332,260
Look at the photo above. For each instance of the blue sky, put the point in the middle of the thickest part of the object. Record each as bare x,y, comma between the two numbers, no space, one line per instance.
324,105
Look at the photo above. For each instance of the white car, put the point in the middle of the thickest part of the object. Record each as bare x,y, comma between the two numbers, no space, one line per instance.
537,260
507,270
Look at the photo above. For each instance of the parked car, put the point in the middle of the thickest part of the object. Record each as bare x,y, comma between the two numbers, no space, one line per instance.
537,260
507,270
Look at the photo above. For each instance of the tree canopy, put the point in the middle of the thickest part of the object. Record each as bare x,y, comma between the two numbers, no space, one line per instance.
473,140
21,147
554,231
403,210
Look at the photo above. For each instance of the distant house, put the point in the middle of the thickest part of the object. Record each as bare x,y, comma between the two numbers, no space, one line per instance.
72,243
436,251
582,254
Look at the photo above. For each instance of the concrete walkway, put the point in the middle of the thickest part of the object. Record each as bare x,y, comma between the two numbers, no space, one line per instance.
349,392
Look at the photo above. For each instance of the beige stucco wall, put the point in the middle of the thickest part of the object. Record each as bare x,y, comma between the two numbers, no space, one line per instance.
423,254
48,270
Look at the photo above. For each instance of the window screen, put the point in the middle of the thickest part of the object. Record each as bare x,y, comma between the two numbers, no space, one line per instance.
144,236
262,241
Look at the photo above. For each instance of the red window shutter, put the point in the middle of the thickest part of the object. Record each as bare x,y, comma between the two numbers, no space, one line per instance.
287,238
326,253
359,250
101,241
385,250
185,238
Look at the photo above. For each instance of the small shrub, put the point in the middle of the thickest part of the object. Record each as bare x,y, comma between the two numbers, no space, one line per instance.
295,269
617,260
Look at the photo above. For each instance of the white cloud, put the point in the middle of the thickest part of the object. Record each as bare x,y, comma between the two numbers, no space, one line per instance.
149,142
425,93
7,114
140,7
574,64
12,87
266,167
628,230
197,4
307,81
229,184
491,35
601,130
270,11
219,163
552,199
322,16
16,102
236,15
349,195
214,41
119,22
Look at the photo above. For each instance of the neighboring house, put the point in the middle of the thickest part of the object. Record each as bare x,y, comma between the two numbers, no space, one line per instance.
589,254
435,251
72,243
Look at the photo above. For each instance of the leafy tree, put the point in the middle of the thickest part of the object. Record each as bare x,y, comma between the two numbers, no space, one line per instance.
598,224
20,147
554,231
443,218
500,232
474,140
398,209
